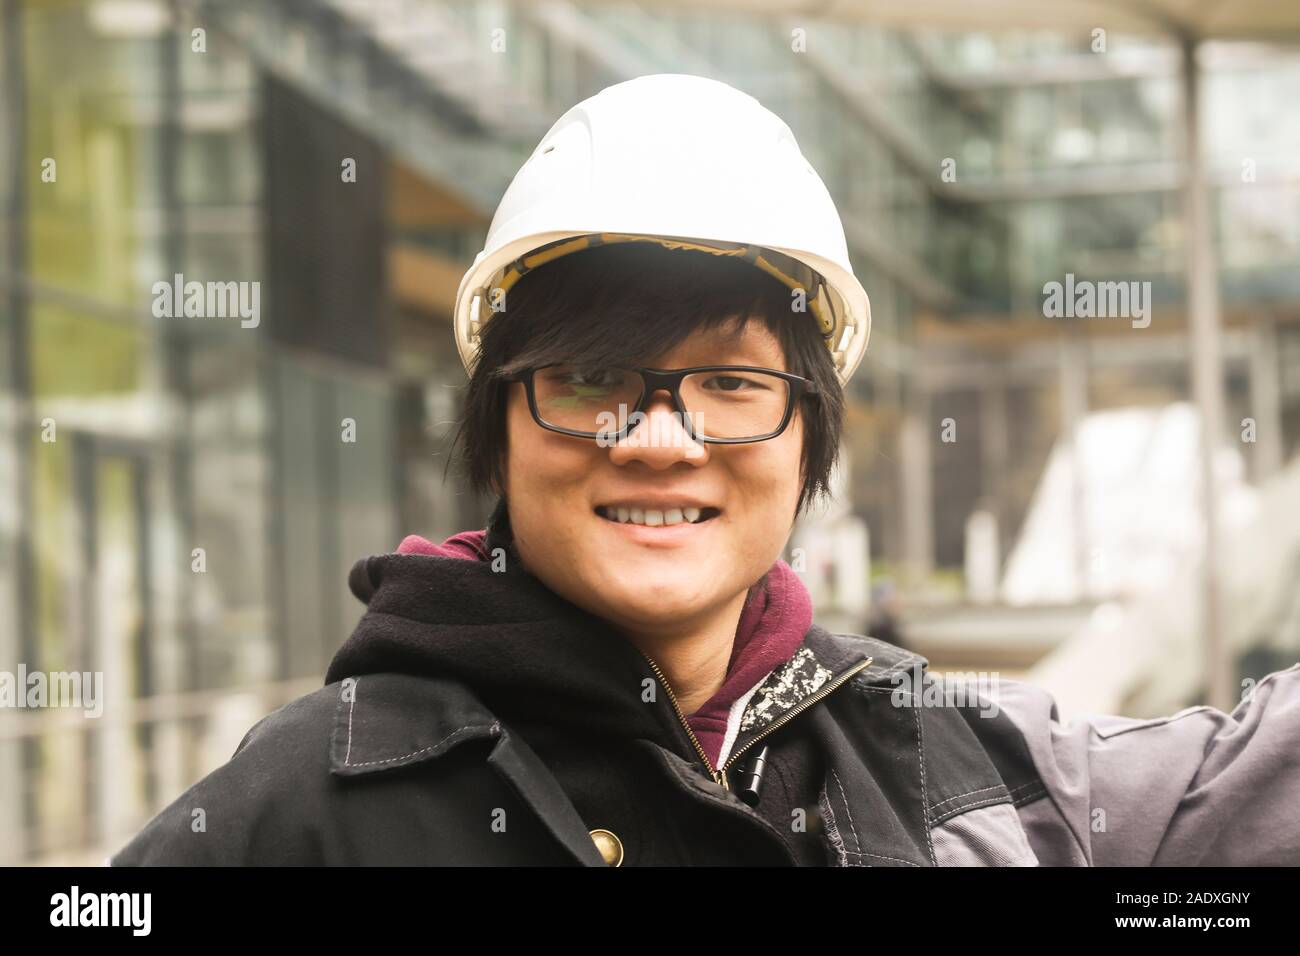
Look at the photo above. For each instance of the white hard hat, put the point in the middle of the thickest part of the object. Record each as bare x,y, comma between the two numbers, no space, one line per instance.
687,162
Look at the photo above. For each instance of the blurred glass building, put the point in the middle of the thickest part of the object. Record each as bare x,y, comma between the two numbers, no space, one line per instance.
181,498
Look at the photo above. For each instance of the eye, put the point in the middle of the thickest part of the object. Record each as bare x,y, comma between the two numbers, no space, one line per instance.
726,383
579,377
732,383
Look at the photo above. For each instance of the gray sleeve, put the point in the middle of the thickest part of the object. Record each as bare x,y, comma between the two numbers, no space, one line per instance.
1198,788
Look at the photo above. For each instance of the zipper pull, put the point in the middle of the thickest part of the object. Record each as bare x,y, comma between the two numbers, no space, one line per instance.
752,779
720,778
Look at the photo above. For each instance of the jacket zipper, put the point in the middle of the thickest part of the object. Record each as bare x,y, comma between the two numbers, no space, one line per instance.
719,776
795,711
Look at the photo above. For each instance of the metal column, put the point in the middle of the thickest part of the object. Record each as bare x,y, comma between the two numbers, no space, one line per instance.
1207,380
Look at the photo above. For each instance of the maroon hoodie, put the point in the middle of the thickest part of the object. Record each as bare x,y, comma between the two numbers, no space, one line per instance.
776,616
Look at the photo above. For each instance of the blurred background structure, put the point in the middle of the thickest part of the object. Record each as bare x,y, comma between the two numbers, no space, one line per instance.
1019,493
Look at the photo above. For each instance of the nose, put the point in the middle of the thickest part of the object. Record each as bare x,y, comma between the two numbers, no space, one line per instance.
660,439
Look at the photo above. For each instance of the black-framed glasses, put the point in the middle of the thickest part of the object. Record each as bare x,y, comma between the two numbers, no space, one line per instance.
720,404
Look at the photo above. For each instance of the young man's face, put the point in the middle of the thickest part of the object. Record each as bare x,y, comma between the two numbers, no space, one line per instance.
654,579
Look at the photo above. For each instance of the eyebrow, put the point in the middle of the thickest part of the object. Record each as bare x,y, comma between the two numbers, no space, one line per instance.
744,356
727,359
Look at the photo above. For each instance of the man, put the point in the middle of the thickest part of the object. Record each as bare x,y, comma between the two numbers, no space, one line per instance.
619,669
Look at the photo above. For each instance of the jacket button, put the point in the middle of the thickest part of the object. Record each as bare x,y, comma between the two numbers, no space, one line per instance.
609,845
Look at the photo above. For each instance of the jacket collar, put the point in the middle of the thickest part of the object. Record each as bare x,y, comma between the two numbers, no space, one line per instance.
838,652
483,644
384,721
390,720
387,720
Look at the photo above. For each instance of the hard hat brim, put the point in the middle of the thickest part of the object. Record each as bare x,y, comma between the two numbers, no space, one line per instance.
844,316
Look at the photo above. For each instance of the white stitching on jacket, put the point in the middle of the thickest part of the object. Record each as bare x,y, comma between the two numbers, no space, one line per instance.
347,757
454,733
974,805
845,799
920,753
895,859
966,794
352,704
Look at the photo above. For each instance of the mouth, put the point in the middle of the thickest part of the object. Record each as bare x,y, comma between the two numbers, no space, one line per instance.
656,518
653,528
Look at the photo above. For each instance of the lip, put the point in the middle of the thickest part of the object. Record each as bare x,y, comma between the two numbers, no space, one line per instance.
658,503
661,536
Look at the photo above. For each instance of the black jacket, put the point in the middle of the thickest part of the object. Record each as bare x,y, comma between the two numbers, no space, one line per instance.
475,717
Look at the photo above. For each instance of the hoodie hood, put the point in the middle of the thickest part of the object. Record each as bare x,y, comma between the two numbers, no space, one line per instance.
442,610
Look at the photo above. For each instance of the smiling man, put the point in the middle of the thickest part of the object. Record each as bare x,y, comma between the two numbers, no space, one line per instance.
620,669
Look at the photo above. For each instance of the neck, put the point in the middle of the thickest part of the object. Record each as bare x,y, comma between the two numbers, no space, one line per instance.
694,655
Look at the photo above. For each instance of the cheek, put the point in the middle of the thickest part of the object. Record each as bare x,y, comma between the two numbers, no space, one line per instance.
531,446
541,458
546,473
785,466
766,489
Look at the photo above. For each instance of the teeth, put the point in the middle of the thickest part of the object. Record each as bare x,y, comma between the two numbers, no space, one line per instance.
651,517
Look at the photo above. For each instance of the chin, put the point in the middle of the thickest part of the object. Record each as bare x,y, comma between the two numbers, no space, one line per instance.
665,599
644,616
